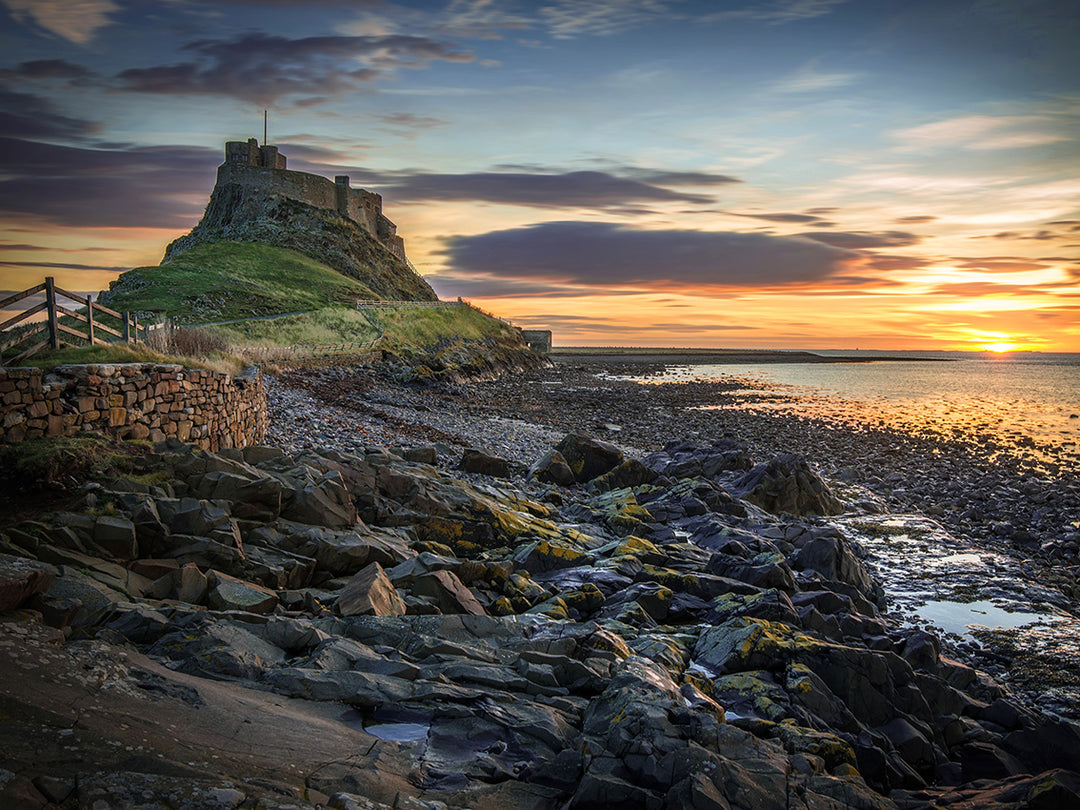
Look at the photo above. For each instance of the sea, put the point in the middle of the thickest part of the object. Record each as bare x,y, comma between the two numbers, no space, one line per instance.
1029,401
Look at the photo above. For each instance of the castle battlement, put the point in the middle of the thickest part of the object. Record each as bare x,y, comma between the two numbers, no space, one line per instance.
261,169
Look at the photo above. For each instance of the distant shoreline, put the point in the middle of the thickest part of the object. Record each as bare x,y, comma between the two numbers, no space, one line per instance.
615,354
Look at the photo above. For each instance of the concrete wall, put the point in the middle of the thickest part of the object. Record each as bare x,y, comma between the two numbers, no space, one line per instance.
539,340
134,401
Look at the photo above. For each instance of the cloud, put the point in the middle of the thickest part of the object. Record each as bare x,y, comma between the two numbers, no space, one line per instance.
612,255
857,240
30,116
809,79
1000,264
571,18
665,178
915,220
263,68
44,69
983,132
778,12
74,20
62,266
567,190
412,121
780,217
161,186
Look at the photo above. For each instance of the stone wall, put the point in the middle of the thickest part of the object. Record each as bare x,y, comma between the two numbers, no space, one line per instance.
361,206
134,401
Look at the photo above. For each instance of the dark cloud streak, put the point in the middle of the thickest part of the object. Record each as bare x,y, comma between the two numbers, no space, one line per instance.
612,255
162,186
263,68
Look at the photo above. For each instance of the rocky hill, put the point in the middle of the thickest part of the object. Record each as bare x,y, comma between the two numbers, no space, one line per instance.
240,214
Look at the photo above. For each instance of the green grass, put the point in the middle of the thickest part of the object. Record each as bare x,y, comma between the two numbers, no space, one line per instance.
404,328
226,280
425,326
44,460
233,281
122,353
323,327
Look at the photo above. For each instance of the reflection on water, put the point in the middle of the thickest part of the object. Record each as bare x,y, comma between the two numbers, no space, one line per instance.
961,618
988,602
1031,405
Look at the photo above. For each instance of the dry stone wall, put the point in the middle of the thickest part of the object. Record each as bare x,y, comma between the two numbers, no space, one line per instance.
134,401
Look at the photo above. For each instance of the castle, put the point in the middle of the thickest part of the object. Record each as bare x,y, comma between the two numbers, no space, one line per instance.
261,169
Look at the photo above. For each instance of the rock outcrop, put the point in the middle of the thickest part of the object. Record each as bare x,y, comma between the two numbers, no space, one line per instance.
242,214
360,630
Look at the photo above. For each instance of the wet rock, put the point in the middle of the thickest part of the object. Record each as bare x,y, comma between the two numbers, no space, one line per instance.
370,592
683,459
830,556
787,485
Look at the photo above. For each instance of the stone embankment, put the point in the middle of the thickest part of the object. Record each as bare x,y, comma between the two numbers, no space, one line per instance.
373,629
209,409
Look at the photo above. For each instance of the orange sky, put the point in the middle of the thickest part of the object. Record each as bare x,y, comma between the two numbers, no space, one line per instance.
679,173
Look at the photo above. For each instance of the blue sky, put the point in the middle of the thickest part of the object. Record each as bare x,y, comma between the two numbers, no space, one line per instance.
803,173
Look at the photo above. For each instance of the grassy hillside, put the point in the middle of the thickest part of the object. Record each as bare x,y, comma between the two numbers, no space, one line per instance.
274,305
219,281
404,330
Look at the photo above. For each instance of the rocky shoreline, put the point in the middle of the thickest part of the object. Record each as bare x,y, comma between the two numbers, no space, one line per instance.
446,595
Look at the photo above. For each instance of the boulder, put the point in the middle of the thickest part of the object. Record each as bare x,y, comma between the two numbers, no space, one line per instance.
787,485
685,459
116,537
321,501
587,457
552,469
229,593
631,473
370,593
474,460
21,578
831,557
448,592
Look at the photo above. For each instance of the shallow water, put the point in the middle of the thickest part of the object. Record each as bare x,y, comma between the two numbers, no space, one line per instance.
1028,403
390,724
989,605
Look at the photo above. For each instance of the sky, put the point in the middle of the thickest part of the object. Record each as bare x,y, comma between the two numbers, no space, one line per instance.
818,174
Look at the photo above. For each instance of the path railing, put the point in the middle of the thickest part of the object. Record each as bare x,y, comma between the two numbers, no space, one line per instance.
87,324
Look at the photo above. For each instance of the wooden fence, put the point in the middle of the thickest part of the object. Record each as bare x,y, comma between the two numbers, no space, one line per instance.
128,330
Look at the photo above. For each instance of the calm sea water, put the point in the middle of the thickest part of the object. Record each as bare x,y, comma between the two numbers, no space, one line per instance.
1028,400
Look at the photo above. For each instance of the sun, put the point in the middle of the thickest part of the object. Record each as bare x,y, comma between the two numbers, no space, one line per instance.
999,347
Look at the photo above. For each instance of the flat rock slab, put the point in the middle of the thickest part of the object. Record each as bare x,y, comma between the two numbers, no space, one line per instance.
96,709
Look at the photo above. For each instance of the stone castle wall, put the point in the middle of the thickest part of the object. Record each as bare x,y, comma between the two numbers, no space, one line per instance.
362,207
134,401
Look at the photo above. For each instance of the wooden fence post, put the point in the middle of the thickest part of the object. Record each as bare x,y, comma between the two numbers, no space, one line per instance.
126,329
90,318
134,328
50,300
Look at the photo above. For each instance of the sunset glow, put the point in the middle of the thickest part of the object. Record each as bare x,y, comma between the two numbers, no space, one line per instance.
788,174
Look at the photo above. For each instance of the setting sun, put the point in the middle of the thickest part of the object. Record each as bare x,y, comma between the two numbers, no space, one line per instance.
999,347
